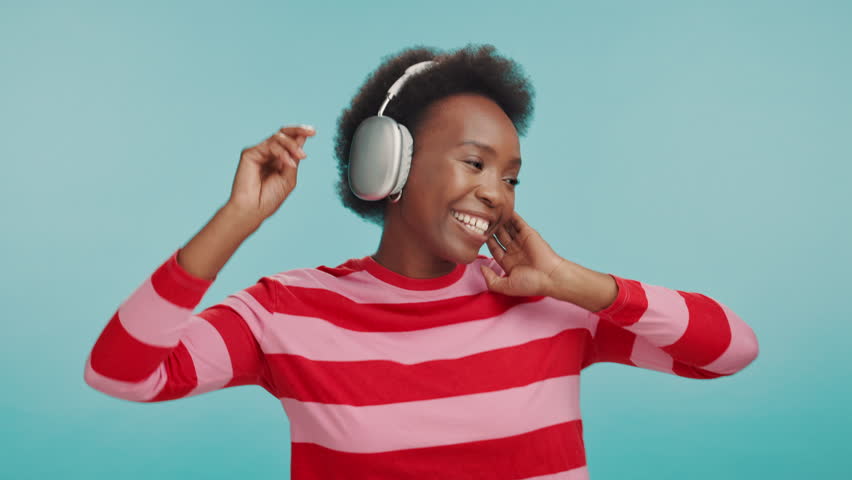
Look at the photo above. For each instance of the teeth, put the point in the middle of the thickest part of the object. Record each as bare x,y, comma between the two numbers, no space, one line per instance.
476,224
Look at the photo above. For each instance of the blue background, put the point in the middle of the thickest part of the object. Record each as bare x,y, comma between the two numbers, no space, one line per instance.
702,146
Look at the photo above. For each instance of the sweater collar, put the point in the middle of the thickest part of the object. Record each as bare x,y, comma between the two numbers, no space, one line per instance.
408,283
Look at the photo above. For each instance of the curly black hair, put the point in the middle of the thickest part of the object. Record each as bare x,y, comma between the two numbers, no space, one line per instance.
472,69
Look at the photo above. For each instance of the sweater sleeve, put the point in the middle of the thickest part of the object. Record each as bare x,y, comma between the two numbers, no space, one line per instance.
681,333
154,348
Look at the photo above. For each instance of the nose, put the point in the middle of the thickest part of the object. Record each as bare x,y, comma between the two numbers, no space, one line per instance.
490,191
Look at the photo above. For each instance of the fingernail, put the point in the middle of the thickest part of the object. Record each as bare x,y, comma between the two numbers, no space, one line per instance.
308,127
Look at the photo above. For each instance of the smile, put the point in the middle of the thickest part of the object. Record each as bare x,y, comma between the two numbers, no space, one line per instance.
475,224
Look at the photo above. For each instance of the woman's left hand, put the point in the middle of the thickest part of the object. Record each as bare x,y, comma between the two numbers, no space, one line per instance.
530,264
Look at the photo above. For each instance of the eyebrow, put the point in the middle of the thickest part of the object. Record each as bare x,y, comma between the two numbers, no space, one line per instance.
489,149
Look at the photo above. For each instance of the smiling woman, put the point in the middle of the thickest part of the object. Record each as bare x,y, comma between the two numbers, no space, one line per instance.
471,70
425,359
466,162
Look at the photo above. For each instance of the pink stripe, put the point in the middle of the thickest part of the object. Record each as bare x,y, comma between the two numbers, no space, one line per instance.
581,473
666,318
594,321
252,312
150,319
318,339
429,423
361,286
645,355
741,351
133,391
209,355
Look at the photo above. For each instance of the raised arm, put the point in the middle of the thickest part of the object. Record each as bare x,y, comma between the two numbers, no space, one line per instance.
154,348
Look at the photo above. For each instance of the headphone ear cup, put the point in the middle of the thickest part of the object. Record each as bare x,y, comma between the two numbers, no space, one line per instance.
405,153
374,158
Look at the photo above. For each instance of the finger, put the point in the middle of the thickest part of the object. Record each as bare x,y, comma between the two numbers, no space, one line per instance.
520,227
494,282
299,133
298,130
503,235
513,228
289,143
496,250
299,140
519,223
280,157
256,158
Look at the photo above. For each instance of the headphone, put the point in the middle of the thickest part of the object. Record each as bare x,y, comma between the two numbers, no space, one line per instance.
381,150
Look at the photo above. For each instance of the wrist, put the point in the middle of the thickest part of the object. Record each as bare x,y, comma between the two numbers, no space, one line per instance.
562,281
591,290
242,219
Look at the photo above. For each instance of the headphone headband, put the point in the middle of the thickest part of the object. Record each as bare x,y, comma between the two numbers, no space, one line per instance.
397,85
381,150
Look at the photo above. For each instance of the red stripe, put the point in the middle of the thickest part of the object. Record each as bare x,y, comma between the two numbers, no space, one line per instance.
589,351
348,267
180,375
613,343
119,356
373,382
683,370
540,452
247,362
707,335
629,304
175,285
371,317
266,292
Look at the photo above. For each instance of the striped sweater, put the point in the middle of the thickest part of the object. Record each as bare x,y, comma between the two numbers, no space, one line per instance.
384,376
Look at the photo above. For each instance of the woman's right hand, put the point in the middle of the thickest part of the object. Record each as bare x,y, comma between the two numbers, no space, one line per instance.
267,173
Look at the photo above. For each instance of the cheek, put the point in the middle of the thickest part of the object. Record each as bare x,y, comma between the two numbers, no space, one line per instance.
430,180
508,206
424,174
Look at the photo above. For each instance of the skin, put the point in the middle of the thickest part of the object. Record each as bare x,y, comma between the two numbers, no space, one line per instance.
467,153
421,239
466,156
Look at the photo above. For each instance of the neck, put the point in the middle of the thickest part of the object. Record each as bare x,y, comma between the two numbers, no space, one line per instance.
403,254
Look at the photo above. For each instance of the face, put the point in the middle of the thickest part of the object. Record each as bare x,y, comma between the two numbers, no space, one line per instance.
462,181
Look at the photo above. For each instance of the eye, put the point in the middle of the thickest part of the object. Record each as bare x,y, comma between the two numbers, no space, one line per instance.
477,164
513,181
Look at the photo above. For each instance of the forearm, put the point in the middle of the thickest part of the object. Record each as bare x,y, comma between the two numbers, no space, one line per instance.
212,247
584,287
144,348
686,333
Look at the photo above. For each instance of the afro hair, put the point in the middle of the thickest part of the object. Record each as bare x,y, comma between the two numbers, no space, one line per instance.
472,69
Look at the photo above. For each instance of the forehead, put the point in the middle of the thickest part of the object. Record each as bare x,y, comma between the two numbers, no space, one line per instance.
468,117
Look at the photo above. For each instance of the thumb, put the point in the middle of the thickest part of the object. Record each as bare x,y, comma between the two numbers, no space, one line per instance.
494,282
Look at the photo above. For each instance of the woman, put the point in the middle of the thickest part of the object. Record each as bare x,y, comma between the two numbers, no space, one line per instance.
425,359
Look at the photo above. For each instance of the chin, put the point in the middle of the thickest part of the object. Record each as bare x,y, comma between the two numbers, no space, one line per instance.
461,254
455,248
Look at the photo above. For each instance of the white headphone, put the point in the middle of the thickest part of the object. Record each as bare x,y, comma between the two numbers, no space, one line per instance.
381,150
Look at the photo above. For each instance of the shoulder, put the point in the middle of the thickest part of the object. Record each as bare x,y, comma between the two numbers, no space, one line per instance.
323,276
